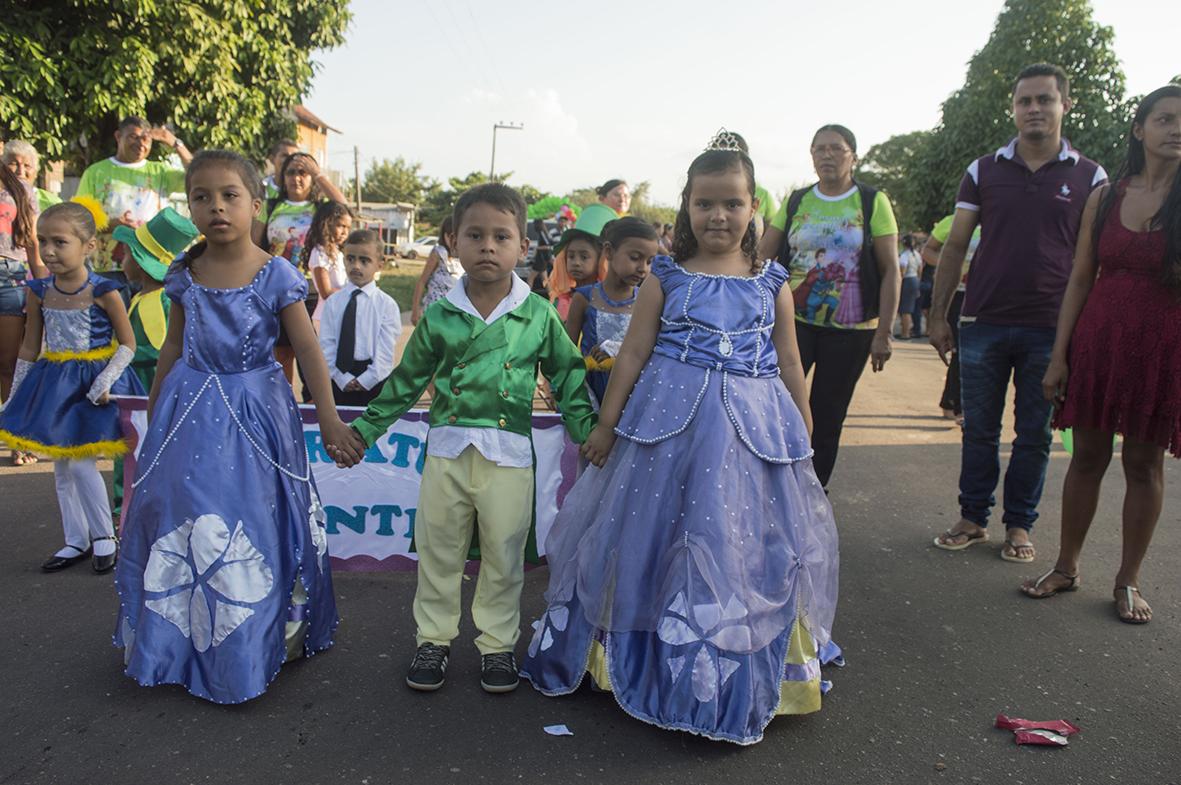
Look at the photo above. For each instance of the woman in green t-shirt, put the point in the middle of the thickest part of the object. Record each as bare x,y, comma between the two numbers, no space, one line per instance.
839,289
283,227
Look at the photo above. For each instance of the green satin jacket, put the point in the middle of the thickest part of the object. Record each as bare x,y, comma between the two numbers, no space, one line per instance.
485,374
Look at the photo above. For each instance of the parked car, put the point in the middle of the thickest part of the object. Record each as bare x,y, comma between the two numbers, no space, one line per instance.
420,247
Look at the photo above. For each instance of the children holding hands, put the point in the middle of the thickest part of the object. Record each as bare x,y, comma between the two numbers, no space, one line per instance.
483,345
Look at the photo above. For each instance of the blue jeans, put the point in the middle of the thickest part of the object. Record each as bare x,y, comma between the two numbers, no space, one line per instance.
988,355
12,287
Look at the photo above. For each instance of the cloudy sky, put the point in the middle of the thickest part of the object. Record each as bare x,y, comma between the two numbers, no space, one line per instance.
635,89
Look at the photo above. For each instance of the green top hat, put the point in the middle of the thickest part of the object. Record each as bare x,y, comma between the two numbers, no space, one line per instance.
590,224
155,244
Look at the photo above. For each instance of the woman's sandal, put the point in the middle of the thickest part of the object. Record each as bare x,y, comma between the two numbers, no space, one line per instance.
1131,605
1072,586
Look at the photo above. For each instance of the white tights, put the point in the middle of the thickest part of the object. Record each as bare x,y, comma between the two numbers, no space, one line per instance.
85,507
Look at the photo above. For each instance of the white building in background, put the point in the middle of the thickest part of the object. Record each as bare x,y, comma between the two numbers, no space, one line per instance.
395,221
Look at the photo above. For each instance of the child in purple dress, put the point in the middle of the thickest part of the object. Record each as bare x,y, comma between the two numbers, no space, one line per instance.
695,573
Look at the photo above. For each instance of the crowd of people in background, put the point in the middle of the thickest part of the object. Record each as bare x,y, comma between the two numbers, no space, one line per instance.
1046,275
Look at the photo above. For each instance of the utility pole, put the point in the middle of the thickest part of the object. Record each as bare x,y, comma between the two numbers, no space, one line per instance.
496,127
357,178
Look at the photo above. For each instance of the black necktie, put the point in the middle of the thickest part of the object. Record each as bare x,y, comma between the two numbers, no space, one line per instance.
348,335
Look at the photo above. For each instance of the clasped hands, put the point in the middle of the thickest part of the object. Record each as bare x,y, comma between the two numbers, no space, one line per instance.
343,444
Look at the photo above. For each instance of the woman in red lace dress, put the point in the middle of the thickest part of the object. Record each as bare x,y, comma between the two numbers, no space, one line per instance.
1116,364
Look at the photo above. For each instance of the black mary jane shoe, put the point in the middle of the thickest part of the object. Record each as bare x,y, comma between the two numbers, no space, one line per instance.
55,563
106,563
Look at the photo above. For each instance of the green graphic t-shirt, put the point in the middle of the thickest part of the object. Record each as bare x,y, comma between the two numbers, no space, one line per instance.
825,251
942,231
132,193
287,228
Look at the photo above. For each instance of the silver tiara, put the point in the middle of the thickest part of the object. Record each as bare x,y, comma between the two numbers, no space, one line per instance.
724,140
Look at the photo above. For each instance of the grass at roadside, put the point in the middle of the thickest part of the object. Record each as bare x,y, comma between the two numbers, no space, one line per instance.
398,282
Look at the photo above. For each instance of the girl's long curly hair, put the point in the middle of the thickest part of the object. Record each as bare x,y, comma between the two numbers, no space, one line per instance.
325,216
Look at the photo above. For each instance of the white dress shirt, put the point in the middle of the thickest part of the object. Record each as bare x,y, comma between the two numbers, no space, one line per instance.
502,447
379,323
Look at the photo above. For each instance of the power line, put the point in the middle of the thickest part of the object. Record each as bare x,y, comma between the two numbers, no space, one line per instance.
484,46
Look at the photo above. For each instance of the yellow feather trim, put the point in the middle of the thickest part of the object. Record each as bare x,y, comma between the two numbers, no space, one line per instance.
101,353
599,365
107,449
96,209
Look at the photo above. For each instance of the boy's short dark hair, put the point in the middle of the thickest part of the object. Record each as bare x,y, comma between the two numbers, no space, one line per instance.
366,237
133,121
497,195
1045,69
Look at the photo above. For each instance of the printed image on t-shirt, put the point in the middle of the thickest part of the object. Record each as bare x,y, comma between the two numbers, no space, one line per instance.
825,240
129,193
287,228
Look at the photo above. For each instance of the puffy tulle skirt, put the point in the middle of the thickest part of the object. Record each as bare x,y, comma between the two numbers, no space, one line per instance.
695,574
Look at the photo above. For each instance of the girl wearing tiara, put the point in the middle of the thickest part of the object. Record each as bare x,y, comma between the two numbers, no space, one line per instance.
695,573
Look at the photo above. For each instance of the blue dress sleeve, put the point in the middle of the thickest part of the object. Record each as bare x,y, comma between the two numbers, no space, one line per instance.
282,284
38,285
665,268
103,285
177,281
776,276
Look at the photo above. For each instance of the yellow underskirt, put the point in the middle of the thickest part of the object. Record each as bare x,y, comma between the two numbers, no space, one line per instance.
107,449
795,697
101,353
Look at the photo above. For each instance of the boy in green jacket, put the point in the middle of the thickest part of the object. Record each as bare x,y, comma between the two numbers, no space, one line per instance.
482,345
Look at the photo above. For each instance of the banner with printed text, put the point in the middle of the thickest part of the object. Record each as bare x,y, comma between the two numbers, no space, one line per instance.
371,508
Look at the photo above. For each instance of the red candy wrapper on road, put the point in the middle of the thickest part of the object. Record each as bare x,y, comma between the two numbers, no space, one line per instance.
1046,738
1058,727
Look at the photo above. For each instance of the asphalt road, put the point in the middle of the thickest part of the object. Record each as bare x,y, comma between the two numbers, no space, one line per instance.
937,644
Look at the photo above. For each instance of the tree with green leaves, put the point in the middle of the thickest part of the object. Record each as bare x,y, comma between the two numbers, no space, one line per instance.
645,209
977,118
394,181
891,166
225,73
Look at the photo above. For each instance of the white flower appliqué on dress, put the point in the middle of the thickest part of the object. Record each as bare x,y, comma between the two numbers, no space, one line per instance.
316,519
728,632
206,603
554,620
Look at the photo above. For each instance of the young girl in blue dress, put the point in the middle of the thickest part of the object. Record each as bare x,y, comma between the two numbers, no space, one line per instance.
600,312
60,402
224,574
695,574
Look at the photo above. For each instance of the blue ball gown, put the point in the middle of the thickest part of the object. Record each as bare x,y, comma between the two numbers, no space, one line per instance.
50,414
695,574
224,569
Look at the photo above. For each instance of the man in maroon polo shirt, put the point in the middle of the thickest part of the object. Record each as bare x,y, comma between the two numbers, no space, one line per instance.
1030,195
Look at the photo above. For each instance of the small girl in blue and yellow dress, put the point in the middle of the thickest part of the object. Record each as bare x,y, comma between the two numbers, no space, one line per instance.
60,405
600,312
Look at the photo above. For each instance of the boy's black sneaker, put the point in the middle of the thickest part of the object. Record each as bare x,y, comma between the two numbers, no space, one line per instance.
498,672
429,668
